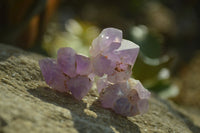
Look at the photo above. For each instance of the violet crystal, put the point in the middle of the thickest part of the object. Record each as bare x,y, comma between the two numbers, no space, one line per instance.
113,59
69,73
113,56
127,98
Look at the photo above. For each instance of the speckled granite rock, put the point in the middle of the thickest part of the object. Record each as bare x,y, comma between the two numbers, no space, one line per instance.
28,105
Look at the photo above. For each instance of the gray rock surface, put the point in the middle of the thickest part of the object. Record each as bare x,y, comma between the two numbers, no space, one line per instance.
28,105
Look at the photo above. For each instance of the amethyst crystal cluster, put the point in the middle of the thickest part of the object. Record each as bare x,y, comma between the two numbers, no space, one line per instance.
70,72
112,60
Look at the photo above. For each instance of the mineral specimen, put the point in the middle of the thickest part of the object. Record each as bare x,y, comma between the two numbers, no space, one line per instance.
70,72
113,56
112,60
127,98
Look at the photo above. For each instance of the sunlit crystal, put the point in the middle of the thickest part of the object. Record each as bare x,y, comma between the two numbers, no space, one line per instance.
66,59
71,72
79,86
112,60
113,56
53,75
126,98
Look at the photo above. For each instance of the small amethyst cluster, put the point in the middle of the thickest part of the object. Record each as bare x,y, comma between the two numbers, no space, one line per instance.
111,62
70,72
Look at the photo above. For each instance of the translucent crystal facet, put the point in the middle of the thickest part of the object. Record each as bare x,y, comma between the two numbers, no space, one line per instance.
104,40
83,65
66,59
79,86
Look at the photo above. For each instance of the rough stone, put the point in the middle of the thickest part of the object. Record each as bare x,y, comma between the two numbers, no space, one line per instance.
27,104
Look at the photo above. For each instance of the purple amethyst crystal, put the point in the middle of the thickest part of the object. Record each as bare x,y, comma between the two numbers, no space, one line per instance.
127,98
79,86
112,60
69,73
53,75
113,56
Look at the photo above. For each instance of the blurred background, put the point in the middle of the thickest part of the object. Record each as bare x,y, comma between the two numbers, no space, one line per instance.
168,32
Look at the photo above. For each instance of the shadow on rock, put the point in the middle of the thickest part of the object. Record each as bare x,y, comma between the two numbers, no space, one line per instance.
117,122
105,120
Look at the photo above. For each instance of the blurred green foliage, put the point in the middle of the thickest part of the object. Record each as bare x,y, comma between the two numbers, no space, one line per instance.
149,42
150,62
77,35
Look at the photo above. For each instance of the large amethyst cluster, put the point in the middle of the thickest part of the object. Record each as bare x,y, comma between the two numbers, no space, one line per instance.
112,60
